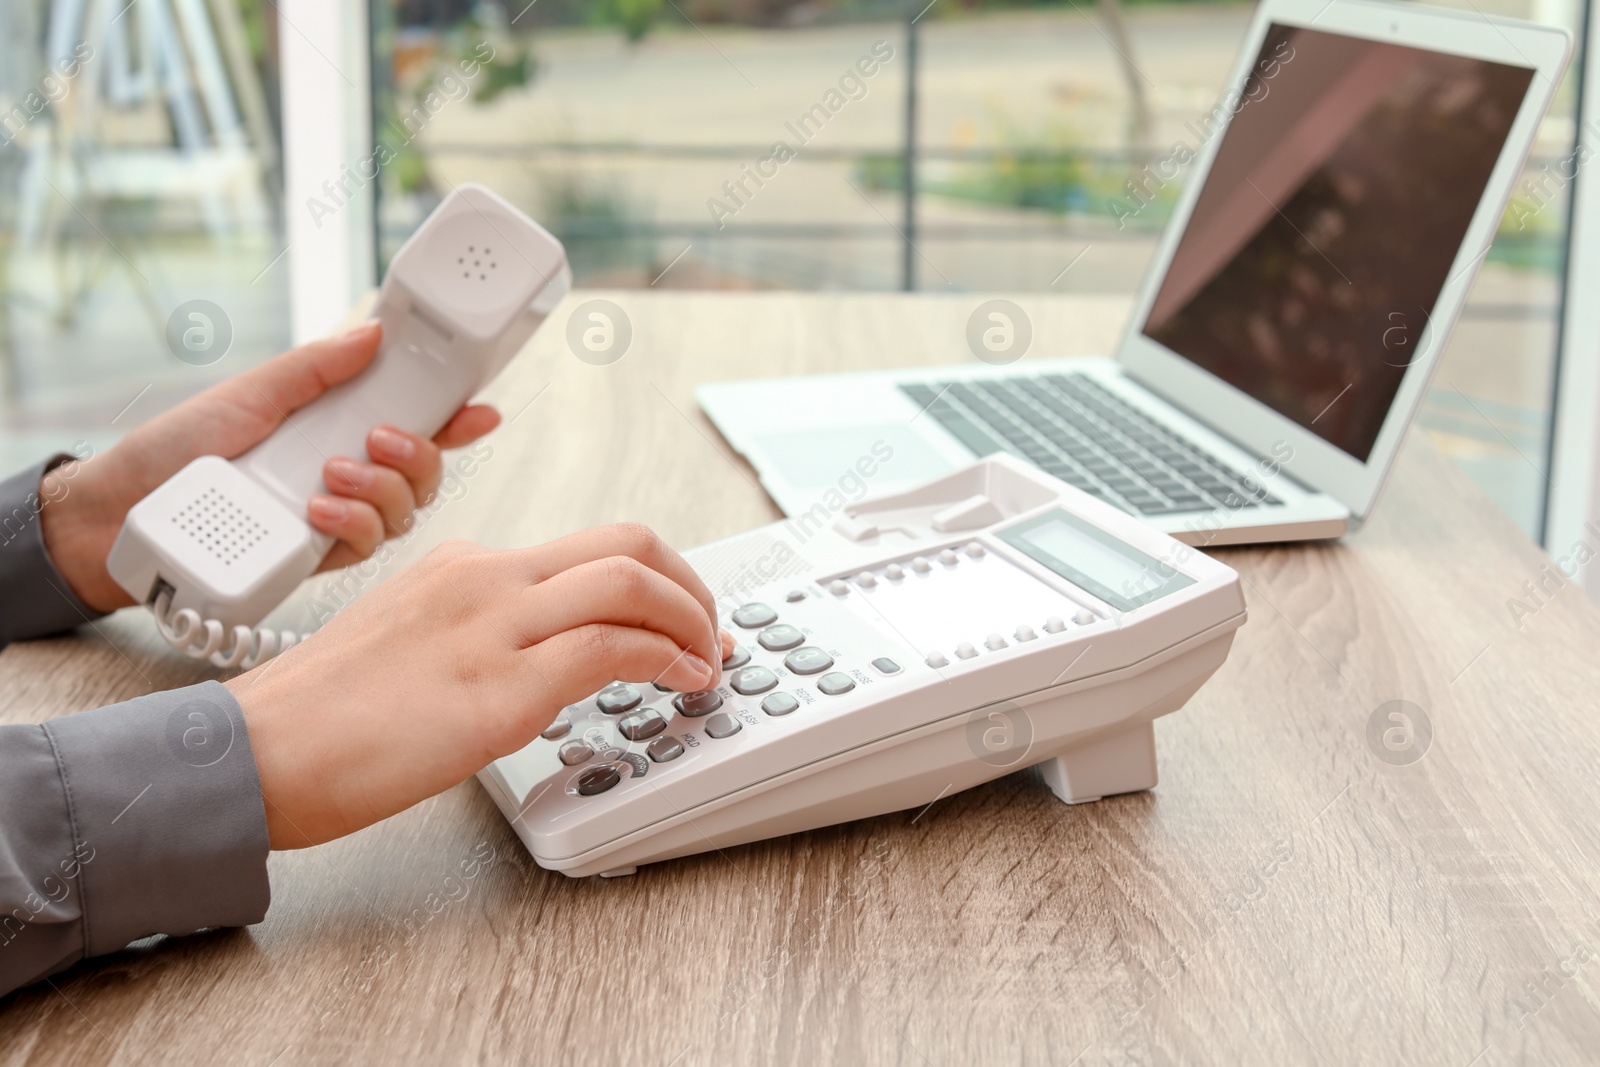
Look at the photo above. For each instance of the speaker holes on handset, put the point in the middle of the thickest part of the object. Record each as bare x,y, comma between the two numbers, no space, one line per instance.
220,526
477,263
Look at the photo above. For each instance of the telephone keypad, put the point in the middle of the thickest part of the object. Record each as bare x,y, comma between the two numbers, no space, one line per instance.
768,670
637,714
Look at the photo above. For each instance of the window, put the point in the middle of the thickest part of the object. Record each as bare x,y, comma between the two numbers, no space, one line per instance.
767,145
141,212
730,144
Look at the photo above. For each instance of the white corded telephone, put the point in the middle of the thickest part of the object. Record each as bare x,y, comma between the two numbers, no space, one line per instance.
922,643
221,543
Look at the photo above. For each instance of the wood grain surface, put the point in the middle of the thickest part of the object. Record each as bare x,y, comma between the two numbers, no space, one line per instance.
1286,895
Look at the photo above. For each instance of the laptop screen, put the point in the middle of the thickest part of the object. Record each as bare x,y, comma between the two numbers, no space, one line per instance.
1328,222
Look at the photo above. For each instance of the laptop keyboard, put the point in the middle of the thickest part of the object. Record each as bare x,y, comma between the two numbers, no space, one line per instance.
1076,429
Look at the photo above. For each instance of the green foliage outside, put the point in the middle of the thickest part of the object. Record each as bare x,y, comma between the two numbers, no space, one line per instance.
1045,169
513,66
636,17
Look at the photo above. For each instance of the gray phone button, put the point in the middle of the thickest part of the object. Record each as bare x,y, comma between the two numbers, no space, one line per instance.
808,660
753,680
663,749
781,638
723,725
836,683
641,725
779,704
574,752
696,704
751,616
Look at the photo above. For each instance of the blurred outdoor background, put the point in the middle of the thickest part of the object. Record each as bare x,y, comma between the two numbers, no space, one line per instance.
156,176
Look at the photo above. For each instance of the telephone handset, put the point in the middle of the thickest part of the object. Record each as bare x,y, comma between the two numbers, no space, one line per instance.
221,543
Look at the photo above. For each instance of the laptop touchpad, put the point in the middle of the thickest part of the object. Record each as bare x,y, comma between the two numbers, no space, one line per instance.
842,457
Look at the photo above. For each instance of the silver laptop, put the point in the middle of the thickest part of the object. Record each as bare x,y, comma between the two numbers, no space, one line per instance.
1347,188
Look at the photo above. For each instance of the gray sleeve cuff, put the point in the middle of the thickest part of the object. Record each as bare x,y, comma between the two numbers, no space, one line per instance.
34,599
140,818
163,790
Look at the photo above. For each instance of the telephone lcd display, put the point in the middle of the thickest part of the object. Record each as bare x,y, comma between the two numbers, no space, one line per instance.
1093,560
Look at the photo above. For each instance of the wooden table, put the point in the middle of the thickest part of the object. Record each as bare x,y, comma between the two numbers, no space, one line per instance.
1284,896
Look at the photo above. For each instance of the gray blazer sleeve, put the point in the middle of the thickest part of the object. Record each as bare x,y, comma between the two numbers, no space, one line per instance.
139,818
34,599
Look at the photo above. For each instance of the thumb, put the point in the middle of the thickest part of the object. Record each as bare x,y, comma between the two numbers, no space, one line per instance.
282,384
